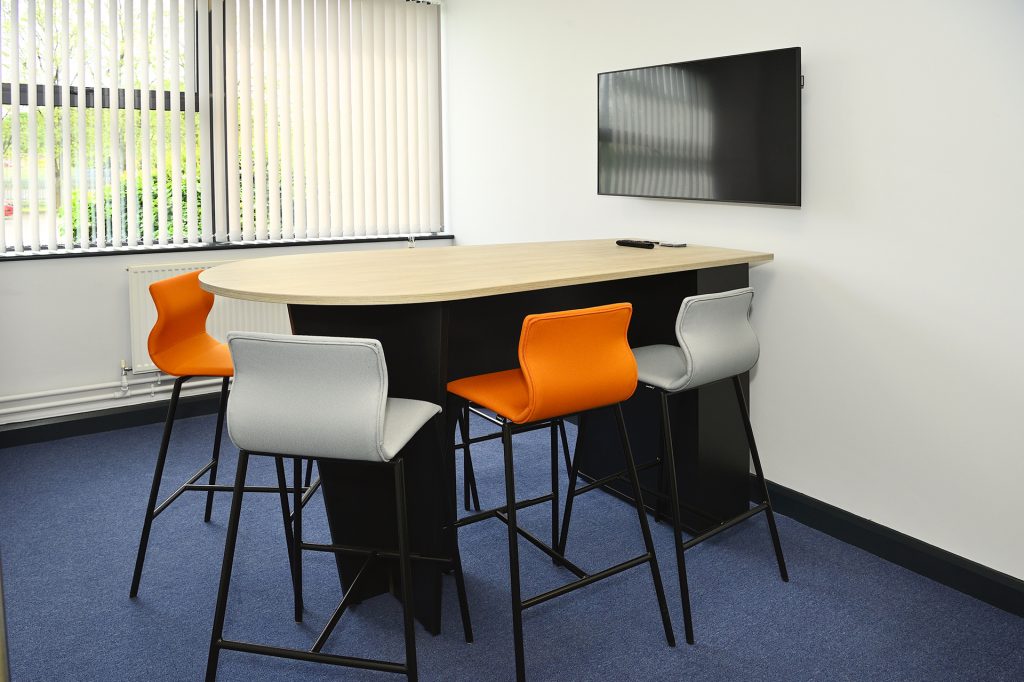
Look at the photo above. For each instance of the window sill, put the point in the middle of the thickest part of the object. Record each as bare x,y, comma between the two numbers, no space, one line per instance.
11,256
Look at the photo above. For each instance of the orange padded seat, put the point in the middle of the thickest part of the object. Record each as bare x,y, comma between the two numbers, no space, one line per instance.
570,361
179,344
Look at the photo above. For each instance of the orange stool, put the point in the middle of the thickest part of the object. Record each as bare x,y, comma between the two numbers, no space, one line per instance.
570,362
180,346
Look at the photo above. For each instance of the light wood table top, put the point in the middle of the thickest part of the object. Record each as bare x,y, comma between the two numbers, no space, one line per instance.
397,276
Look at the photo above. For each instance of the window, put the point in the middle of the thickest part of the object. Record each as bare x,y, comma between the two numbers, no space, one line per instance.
128,123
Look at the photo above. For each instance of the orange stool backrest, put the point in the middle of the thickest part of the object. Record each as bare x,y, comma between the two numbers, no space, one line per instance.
576,360
181,311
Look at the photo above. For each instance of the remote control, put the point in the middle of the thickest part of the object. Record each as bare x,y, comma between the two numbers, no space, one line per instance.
635,243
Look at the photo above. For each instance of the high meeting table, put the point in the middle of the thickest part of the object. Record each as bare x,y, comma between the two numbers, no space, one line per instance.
451,312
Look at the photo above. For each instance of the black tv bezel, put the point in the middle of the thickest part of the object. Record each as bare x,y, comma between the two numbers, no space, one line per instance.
798,79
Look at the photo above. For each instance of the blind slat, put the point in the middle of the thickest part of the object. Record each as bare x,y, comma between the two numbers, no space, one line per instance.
344,105
3,181
284,65
83,161
369,119
312,227
205,134
245,117
403,58
161,117
146,144
330,104
273,139
191,202
298,145
99,181
48,113
433,120
380,158
219,36
393,10
115,137
322,55
231,207
174,35
259,123
33,130
356,109
16,202
130,164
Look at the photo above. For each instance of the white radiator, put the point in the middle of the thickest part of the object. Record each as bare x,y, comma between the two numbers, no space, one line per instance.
228,314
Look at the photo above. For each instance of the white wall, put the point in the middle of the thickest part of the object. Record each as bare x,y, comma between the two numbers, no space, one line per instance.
64,325
891,371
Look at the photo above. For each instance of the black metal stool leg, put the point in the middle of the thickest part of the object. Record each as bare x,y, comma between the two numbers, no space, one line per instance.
554,488
216,446
570,494
760,478
297,535
154,490
565,445
468,474
669,467
447,474
405,565
460,587
309,472
282,483
644,527
217,633
513,552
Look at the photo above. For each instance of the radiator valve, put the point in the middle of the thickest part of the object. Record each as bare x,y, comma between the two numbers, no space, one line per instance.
124,377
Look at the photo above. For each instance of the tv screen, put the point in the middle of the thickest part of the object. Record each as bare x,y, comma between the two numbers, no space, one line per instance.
722,129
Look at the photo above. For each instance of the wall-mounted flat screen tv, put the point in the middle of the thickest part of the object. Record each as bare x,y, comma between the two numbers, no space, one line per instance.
722,129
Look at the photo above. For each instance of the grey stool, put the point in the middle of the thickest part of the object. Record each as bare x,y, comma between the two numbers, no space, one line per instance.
716,342
323,397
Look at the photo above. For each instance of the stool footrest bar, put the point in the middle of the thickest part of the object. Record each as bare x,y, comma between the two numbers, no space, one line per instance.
365,551
300,655
724,526
539,544
588,580
217,488
490,513
184,486
497,434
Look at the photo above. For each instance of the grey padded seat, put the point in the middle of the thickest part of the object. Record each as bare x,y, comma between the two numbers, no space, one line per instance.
716,342
315,396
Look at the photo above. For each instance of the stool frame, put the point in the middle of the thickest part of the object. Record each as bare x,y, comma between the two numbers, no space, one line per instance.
315,654
668,470
155,508
507,514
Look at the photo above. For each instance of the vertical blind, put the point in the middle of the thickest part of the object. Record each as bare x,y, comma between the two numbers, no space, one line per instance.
100,124
332,119
137,123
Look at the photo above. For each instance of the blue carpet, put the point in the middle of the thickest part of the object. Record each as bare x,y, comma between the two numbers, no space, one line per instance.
72,509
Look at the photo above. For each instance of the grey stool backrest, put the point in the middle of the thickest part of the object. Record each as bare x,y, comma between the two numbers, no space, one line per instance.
715,335
309,396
